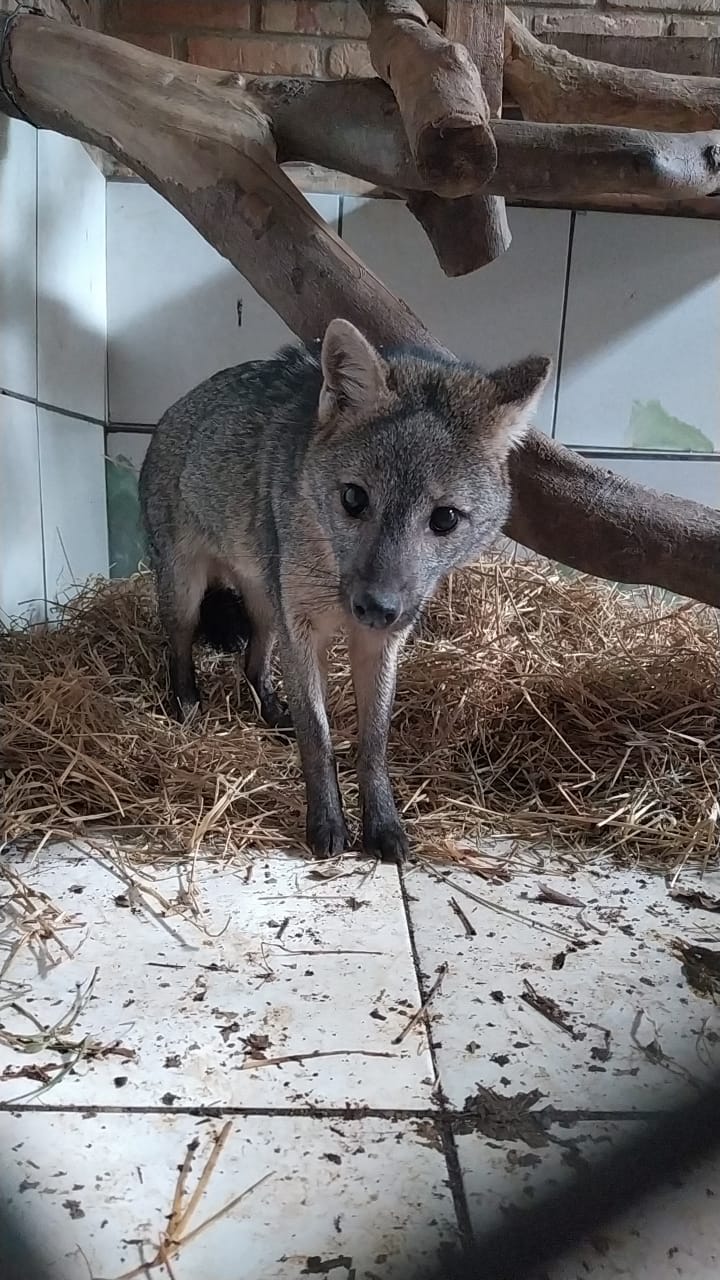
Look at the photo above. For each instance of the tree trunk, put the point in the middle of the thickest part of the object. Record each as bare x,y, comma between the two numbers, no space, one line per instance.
212,157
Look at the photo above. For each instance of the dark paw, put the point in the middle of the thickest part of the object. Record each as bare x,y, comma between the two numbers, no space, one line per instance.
386,840
327,835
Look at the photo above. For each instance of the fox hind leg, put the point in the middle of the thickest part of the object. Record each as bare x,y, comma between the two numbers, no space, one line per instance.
259,656
181,587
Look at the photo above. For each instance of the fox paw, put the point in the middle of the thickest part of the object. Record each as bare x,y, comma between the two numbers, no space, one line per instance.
327,835
386,840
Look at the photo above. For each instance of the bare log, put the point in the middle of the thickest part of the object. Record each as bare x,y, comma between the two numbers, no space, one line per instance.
214,161
440,95
362,134
471,231
549,84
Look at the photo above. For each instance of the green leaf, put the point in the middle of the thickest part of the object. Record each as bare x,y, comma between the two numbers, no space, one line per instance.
125,531
652,427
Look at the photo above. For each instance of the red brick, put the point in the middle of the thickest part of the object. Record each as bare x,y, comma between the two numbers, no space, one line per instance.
155,43
687,6
178,15
349,58
555,4
315,17
694,27
599,24
256,56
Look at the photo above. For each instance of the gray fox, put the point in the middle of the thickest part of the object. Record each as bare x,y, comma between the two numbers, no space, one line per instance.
329,488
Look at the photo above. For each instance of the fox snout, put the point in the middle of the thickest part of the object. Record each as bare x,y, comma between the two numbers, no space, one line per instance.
377,608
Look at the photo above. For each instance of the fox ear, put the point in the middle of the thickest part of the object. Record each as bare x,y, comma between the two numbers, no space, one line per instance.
354,375
517,392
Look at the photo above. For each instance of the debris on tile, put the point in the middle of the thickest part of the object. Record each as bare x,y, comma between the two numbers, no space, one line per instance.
549,1009
503,1117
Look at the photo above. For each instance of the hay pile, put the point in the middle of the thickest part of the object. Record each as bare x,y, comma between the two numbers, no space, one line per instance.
530,705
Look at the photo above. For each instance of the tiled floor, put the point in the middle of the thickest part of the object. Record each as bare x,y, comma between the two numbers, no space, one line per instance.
378,1140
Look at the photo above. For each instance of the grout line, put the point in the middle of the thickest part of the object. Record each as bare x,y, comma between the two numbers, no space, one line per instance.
554,1115
37,376
585,450
53,408
647,455
130,428
563,323
442,1118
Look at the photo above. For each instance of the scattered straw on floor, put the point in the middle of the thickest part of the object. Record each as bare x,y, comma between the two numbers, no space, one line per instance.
531,705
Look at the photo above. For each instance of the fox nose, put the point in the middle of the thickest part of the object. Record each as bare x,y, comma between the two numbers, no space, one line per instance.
375,608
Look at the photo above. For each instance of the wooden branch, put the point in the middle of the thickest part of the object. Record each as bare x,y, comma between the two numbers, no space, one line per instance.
212,158
549,84
466,233
471,231
440,95
362,134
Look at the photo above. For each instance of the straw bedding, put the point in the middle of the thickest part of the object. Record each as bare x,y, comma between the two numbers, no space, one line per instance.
530,705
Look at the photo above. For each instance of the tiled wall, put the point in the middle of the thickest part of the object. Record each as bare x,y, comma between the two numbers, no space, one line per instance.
53,526
628,307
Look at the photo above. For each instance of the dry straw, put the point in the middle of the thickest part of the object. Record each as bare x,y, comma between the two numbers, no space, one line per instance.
531,705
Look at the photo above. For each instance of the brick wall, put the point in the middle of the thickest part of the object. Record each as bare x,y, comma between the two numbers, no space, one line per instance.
326,38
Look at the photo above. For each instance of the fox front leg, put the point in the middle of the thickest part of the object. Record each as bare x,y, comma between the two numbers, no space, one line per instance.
300,653
374,660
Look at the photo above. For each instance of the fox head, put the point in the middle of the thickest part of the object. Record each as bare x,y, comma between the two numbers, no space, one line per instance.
407,468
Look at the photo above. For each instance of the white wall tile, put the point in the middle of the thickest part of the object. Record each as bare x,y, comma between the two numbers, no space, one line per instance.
22,583
696,479
72,475
177,310
642,335
18,197
71,278
510,309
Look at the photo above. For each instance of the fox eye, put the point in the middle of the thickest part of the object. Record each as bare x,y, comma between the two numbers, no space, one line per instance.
355,500
443,520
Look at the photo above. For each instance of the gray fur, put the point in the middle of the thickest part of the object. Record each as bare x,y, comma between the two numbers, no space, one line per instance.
242,487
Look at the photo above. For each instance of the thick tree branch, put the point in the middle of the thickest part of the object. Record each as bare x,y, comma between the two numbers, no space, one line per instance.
469,234
362,134
551,85
440,95
471,231
212,157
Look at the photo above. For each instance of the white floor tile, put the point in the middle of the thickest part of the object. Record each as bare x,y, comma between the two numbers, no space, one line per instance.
287,964
673,1235
22,584
641,291
71,278
636,1030
18,206
510,309
72,475
361,1198
168,330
